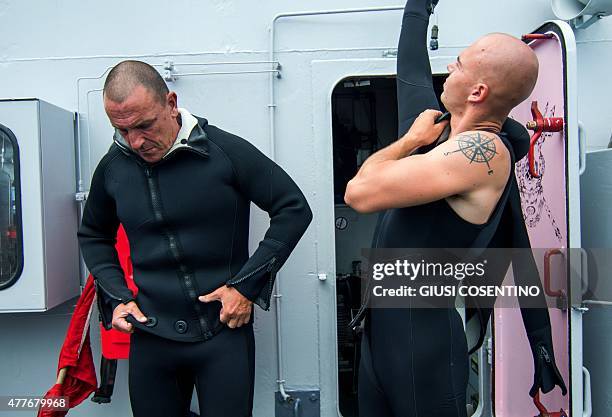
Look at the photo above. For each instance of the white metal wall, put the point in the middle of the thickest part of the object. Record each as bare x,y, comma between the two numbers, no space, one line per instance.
47,46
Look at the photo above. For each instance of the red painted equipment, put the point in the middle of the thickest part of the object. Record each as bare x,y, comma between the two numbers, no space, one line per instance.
544,412
535,36
540,125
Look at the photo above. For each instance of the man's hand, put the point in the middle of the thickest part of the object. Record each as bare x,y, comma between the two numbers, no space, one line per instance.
424,130
236,308
364,192
121,312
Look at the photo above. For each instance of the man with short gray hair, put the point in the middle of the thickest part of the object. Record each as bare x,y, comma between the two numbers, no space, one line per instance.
182,190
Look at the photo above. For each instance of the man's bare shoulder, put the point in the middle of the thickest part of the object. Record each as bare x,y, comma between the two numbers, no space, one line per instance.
482,152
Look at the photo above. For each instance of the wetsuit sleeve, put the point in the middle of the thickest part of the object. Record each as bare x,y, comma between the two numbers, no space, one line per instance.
415,92
97,238
268,186
534,312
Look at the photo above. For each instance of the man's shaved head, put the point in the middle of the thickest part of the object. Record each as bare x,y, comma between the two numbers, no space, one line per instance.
509,67
126,75
492,76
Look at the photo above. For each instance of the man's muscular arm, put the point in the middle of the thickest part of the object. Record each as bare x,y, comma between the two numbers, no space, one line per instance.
465,163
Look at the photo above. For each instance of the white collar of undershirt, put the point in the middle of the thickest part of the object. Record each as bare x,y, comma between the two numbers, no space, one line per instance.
188,122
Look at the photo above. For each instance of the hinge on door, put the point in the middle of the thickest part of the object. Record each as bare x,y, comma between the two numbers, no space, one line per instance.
81,196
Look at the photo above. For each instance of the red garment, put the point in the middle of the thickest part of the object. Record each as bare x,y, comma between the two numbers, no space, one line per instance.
116,345
80,378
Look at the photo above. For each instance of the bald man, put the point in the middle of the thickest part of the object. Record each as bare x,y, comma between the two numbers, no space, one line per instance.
182,189
436,191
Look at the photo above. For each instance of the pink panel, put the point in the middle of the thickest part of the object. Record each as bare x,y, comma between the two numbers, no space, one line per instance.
544,209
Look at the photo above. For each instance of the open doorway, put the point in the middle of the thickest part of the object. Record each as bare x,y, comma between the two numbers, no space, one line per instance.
364,120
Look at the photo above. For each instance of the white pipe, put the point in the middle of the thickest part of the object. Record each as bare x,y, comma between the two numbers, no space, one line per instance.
360,49
272,124
225,63
225,73
154,55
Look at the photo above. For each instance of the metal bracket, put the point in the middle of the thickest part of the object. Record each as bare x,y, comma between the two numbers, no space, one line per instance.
299,404
278,69
81,196
581,22
169,72
581,309
321,276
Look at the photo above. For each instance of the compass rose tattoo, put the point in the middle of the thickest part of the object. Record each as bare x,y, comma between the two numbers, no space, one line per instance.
476,148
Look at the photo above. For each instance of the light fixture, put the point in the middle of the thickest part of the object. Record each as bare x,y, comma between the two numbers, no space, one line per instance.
581,13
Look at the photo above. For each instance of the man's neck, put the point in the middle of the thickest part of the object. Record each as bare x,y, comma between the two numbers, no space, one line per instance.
466,122
179,123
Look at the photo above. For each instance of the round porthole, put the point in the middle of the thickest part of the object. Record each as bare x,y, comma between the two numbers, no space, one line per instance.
11,239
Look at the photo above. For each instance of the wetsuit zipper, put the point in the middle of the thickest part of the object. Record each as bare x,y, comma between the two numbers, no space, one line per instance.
103,317
544,354
366,296
269,265
107,292
186,276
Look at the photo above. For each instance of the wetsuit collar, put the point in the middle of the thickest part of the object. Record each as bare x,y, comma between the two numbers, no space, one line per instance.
188,123
196,142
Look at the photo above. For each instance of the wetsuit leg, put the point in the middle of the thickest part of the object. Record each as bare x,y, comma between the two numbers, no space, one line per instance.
157,386
163,373
420,358
372,400
224,371
415,92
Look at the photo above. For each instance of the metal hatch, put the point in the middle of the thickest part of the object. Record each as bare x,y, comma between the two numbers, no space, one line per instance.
548,179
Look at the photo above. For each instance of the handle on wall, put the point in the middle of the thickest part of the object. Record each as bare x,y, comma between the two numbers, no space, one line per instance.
581,148
547,284
587,404
584,271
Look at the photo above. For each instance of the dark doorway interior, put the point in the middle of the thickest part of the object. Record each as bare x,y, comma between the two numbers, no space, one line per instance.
364,120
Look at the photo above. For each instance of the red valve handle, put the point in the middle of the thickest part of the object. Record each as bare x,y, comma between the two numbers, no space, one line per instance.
534,36
539,125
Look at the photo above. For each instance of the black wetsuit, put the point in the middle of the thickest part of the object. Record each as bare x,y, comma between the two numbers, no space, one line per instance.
187,220
415,361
